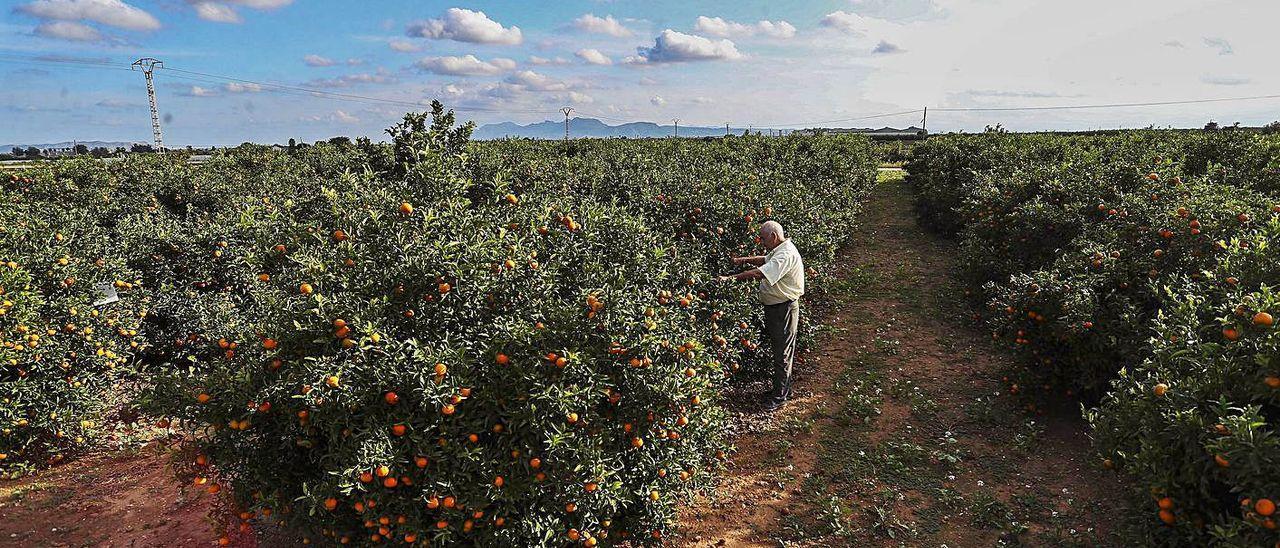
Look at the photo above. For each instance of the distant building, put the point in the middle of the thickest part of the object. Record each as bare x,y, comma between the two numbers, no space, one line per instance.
884,133
58,152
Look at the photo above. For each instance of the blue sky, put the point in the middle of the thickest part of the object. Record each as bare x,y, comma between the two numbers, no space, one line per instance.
780,64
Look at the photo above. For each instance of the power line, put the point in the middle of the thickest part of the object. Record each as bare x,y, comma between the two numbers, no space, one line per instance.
335,94
1107,105
71,62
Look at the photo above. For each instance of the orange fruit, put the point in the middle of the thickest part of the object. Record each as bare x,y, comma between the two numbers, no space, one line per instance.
502,359
1160,389
330,503
1264,507
1167,517
1221,461
305,289
1263,319
1165,503
406,208
269,344
391,398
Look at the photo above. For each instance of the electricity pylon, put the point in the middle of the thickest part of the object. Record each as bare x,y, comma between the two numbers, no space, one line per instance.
148,65
566,111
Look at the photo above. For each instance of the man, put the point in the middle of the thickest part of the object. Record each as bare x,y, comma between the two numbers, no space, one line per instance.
781,275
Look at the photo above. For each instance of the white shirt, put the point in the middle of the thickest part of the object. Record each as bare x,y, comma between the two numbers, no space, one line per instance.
783,271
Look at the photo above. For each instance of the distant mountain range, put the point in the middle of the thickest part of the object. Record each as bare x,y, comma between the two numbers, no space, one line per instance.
109,145
591,127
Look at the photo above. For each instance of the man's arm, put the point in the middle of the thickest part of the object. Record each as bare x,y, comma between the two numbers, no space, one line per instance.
753,261
753,274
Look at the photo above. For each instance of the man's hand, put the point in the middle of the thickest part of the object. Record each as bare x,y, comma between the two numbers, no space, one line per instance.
724,279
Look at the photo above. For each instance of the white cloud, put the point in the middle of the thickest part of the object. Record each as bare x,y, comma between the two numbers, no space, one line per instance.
594,57
536,82
657,101
846,22
701,100
197,91
68,30
336,117
535,60
576,98
675,47
467,65
403,46
237,87
112,13
314,60
601,25
464,25
382,76
216,12
721,28
261,4
220,11
453,90
647,81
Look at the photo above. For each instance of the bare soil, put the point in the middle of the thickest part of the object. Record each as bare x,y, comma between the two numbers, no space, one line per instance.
118,499
903,431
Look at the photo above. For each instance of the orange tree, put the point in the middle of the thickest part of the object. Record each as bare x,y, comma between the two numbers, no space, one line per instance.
453,346
1197,419
61,341
1135,267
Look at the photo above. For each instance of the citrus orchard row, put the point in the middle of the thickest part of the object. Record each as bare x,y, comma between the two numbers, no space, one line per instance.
1136,270
427,341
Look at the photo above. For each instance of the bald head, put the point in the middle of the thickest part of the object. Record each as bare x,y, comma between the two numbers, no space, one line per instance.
771,234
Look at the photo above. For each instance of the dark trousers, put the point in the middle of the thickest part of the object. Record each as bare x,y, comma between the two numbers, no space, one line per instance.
782,323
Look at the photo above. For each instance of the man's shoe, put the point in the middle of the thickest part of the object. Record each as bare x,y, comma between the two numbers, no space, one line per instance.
771,405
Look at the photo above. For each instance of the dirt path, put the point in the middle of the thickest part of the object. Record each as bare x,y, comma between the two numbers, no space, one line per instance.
902,432
121,499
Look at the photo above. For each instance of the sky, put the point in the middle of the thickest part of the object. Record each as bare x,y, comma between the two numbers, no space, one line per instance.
270,70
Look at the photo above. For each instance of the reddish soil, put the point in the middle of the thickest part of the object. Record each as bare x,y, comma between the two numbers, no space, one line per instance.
106,500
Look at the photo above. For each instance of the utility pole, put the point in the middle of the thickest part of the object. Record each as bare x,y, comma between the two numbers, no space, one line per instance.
566,111
677,123
148,65
726,128
924,122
